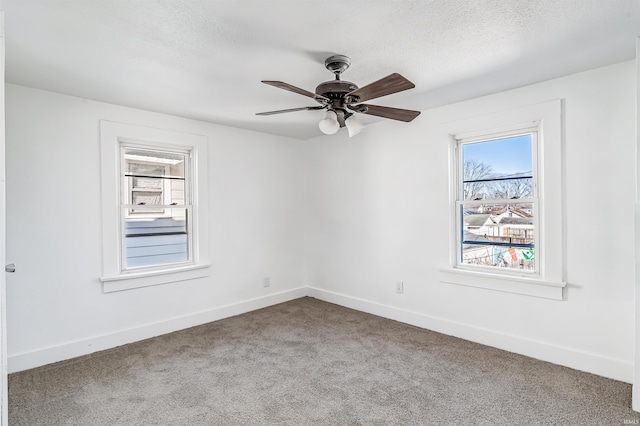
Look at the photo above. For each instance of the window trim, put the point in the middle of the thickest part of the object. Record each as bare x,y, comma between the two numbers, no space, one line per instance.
112,134
547,117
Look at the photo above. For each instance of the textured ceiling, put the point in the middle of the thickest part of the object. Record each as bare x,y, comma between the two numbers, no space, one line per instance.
205,59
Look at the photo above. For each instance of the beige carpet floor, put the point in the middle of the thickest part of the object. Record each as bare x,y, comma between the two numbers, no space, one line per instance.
308,362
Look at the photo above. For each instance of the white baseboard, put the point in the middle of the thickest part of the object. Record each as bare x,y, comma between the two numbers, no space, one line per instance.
579,360
568,357
26,360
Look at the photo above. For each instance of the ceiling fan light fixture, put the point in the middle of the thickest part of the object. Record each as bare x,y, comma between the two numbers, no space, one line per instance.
329,124
354,126
338,97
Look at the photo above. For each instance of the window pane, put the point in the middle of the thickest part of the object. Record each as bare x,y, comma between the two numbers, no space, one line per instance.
153,178
156,240
155,232
507,189
142,198
498,235
497,169
145,175
151,163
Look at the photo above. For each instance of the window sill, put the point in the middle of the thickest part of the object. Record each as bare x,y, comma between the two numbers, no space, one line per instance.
144,279
510,284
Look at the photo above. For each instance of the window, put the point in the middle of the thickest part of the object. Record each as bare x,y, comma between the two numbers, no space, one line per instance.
497,202
155,207
154,204
506,217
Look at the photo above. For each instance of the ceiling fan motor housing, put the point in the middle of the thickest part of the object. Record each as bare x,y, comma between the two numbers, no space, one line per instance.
335,89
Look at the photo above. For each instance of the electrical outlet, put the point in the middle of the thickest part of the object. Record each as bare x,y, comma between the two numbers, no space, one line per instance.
399,287
266,282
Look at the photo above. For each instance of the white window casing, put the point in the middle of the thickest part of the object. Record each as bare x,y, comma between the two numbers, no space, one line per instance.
545,120
115,276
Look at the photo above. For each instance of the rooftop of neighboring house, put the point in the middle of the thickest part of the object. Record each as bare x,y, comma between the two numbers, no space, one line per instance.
514,220
487,219
476,219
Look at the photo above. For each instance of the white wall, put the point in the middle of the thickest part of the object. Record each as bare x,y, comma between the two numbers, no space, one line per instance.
56,307
378,212
373,210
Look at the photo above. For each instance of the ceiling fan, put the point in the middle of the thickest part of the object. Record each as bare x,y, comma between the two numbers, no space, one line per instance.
342,98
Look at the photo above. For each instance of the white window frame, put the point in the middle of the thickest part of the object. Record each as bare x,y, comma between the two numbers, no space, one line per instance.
461,139
126,201
548,280
114,277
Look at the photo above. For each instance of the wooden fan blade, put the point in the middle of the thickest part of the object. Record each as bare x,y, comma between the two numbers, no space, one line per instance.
399,114
294,89
392,83
289,110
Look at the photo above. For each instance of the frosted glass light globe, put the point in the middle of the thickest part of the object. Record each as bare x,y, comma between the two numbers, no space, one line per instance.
354,126
329,124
